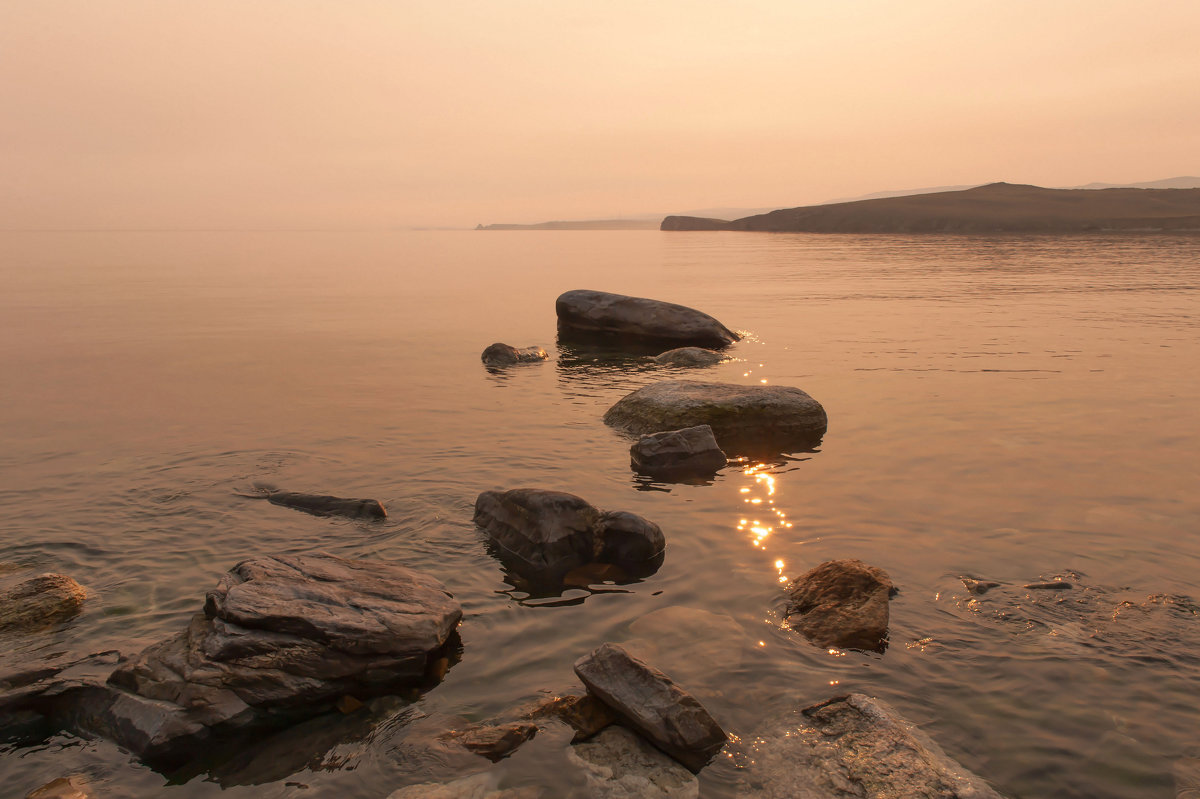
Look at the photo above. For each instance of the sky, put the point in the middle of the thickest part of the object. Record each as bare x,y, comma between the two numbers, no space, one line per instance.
351,114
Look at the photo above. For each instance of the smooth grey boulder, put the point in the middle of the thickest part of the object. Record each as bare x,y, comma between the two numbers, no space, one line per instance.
853,747
690,452
744,418
542,534
617,764
651,703
281,638
598,313
842,603
499,354
40,602
689,356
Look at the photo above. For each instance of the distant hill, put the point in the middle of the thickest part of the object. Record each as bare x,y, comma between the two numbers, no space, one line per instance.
994,208
1167,183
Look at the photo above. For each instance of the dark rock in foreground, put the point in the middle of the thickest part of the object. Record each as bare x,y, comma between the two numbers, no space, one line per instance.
505,355
320,504
842,603
40,602
649,702
542,535
597,313
854,747
689,356
743,418
281,638
692,451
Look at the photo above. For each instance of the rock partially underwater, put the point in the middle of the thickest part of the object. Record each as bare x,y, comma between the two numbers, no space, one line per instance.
319,504
853,747
499,354
690,356
842,603
544,535
678,454
744,419
40,602
584,313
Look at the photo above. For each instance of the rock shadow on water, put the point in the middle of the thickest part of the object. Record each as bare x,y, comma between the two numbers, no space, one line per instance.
573,587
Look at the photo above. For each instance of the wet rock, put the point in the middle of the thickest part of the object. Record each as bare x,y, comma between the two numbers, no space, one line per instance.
651,703
853,747
40,602
281,638
62,788
478,786
842,603
1053,585
690,356
505,355
620,765
585,714
700,649
543,535
493,741
37,697
744,419
978,587
690,452
319,504
598,313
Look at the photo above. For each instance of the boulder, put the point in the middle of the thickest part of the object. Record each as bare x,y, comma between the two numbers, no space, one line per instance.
543,535
651,703
619,765
598,313
40,602
852,747
281,638
744,418
690,356
585,714
505,355
842,603
690,452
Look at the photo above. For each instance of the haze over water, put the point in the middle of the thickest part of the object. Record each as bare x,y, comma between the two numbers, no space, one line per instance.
1009,408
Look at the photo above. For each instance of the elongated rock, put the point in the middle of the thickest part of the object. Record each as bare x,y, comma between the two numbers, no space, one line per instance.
692,451
499,354
545,534
743,418
651,703
842,603
599,313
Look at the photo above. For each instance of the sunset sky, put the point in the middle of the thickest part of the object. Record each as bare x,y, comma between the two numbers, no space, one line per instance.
394,113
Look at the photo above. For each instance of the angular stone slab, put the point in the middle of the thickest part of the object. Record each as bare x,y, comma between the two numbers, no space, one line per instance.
651,703
690,452
282,638
40,602
842,603
499,354
545,534
744,418
854,747
599,313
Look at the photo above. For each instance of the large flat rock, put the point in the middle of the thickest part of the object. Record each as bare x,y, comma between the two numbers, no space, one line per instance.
744,418
589,313
853,747
652,704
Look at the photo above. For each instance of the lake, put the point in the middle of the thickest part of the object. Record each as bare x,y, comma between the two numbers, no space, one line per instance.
1009,408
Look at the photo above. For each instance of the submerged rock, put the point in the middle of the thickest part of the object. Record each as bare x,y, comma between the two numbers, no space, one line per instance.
493,741
1053,585
690,356
62,788
543,535
842,603
281,638
477,786
620,765
978,587
40,602
853,747
598,313
690,452
505,355
743,418
651,703
585,714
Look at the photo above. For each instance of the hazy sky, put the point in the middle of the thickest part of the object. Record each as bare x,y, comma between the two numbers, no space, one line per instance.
370,113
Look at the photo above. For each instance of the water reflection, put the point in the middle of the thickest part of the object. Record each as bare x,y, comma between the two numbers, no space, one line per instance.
760,497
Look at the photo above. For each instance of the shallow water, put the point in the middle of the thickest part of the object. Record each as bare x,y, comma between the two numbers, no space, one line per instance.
1008,408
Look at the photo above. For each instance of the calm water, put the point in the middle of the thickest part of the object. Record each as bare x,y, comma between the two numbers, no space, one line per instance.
1007,408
